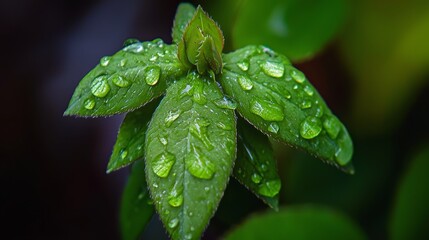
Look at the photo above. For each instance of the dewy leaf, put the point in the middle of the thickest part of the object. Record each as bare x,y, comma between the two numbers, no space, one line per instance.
296,28
278,100
184,14
410,214
298,223
136,205
190,150
255,166
130,141
126,81
202,43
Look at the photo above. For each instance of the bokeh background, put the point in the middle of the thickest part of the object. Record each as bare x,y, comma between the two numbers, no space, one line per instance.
369,59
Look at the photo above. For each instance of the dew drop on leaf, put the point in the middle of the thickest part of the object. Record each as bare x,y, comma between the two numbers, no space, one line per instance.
173,223
171,117
273,127
199,130
89,104
119,81
308,90
104,61
198,165
310,127
99,87
152,75
123,153
226,103
223,126
245,83
270,188
123,62
332,127
269,111
273,69
305,104
298,76
244,65
163,140
256,178
175,200
134,48
198,94
163,163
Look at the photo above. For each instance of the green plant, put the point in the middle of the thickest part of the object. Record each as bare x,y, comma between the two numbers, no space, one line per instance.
191,138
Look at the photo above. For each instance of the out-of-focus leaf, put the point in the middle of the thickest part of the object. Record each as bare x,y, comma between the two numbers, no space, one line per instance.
280,101
296,28
136,205
410,218
298,222
130,141
255,166
386,50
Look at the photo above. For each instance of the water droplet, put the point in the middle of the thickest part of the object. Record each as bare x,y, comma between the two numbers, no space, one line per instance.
104,61
173,223
153,58
130,41
264,167
134,48
175,200
163,163
308,90
123,62
171,117
206,189
99,87
270,188
332,126
198,165
344,151
305,104
119,81
155,185
89,104
256,178
269,111
198,93
274,127
152,75
310,127
273,69
244,66
223,126
186,91
226,103
163,140
188,236
245,83
199,130
123,153
298,76
295,87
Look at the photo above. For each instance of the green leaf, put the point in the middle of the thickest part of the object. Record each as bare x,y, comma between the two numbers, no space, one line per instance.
202,43
126,81
184,14
190,151
130,141
410,216
296,28
278,100
255,166
136,205
298,222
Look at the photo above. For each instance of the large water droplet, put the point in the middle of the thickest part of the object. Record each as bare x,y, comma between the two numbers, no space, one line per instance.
171,117
175,199
173,223
152,75
186,91
226,103
270,188
269,111
134,48
273,69
344,151
199,130
274,127
308,90
104,61
256,178
244,65
298,76
198,165
163,163
305,104
99,87
89,104
310,127
245,83
332,126
119,81
163,140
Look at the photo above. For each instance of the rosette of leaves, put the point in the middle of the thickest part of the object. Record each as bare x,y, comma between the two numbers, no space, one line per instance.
182,130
